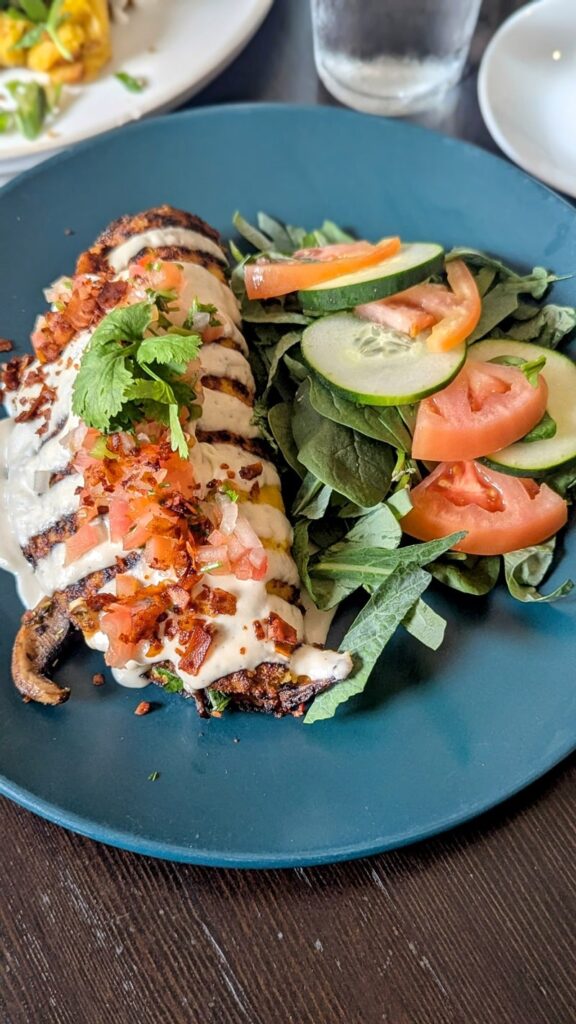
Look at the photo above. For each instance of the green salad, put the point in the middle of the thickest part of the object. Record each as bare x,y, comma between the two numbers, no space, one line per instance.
410,403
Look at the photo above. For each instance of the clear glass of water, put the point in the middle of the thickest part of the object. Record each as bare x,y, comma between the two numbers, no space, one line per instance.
392,57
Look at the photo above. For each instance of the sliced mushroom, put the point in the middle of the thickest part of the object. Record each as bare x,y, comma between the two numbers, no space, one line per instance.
38,642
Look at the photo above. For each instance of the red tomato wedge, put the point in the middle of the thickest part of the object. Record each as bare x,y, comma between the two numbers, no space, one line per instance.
458,324
500,513
484,409
398,315
86,538
267,279
456,312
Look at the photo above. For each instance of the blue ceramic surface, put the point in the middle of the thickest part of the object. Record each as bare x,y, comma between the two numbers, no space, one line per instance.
437,738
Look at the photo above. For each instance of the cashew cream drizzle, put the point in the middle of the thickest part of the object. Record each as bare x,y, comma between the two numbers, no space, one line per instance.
30,506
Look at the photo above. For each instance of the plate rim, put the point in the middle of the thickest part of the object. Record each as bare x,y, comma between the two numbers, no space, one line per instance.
551,179
166,850
175,853
166,100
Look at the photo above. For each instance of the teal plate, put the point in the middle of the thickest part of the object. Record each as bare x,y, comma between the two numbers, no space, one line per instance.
437,738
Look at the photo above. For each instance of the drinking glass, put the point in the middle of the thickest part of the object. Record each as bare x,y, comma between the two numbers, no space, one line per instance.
391,56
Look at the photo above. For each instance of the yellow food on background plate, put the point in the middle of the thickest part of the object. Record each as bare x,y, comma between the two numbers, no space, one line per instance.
68,39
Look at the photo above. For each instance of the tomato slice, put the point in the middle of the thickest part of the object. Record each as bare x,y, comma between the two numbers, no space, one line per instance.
459,324
485,408
500,513
398,315
267,279
457,310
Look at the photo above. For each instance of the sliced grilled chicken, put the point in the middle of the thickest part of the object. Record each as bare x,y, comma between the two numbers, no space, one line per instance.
223,612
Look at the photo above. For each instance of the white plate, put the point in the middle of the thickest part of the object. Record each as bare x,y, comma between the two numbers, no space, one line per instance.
178,46
527,91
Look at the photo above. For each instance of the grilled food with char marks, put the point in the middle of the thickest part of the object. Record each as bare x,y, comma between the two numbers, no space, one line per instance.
173,559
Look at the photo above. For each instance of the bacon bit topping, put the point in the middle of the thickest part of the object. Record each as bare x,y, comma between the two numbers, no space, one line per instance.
13,372
259,631
79,307
52,334
129,621
215,602
34,376
112,294
6,345
281,632
97,679
196,649
38,406
143,708
251,471
180,598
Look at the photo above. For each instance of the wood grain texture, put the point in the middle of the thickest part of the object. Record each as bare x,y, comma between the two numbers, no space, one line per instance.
473,928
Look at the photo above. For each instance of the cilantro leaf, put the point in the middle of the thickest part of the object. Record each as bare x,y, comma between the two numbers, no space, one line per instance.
116,385
156,390
168,348
100,387
127,323
179,443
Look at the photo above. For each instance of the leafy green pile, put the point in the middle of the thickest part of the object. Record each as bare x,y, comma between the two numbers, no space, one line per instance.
128,374
348,470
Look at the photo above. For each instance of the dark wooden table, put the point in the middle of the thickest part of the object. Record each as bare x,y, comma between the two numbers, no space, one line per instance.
476,927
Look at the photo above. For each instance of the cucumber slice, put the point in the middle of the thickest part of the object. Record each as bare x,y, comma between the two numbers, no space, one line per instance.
411,265
372,364
535,458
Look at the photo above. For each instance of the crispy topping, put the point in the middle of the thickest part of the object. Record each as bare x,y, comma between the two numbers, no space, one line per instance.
13,371
251,471
197,648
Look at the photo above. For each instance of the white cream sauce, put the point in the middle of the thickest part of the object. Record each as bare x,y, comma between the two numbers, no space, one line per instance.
30,507
226,412
155,238
219,361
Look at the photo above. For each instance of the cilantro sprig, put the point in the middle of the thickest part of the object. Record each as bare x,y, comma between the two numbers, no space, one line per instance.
126,376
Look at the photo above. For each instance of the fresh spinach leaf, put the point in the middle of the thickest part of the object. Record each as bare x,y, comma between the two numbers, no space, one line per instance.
312,499
384,424
369,634
425,625
271,312
547,327
356,466
544,429
355,565
280,422
284,344
525,569
470,574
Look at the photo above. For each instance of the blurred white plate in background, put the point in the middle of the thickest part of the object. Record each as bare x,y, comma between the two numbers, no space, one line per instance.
178,46
527,91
